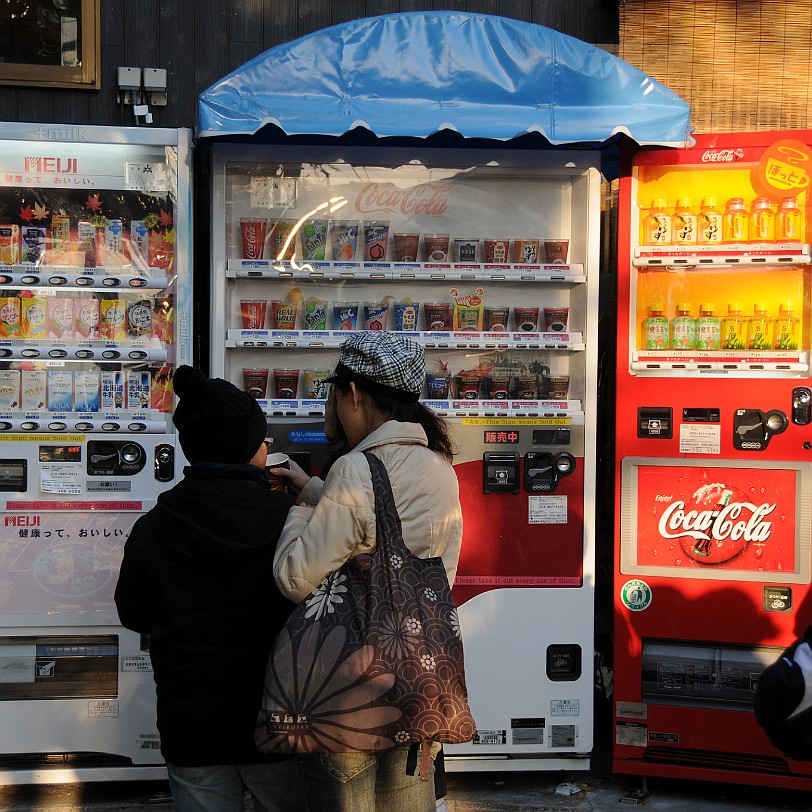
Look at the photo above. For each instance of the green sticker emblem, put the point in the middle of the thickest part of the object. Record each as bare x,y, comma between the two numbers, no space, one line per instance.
636,595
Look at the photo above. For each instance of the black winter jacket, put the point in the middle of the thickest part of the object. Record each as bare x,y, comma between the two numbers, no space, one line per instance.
197,575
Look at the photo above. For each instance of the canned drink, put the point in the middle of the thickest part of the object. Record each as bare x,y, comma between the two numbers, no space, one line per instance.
138,390
34,240
139,319
9,244
9,317
86,390
86,318
86,239
34,317
60,318
139,244
60,240
113,319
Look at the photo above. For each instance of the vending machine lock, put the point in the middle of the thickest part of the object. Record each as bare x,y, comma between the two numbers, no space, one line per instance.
753,429
500,472
801,406
164,463
542,471
115,458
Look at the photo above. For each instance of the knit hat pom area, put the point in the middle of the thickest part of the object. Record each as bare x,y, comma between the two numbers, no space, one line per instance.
216,421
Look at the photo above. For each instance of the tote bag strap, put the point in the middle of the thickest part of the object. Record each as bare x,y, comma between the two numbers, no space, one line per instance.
388,529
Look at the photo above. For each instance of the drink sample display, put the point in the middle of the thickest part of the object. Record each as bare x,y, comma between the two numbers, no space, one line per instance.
734,222
708,328
658,224
709,223
734,328
758,328
789,221
762,221
655,328
786,329
685,223
683,328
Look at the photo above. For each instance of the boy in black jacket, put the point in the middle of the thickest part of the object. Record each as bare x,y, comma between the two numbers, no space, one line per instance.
197,576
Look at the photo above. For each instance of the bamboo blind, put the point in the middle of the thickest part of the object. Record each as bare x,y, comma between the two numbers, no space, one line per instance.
741,66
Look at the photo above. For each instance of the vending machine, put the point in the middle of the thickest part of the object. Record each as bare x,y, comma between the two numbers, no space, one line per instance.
95,313
488,260
714,451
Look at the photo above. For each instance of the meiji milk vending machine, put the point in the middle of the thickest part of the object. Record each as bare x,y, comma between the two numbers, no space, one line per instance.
311,245
95,313
714,451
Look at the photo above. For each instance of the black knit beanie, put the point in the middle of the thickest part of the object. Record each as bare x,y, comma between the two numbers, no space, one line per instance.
216,422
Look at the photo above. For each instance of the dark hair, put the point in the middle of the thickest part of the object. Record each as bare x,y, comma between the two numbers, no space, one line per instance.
411,412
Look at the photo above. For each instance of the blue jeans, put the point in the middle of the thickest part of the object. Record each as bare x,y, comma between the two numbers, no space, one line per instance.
365,782
221,787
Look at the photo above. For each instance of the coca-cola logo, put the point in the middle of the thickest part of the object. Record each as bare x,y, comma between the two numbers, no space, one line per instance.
425,198
721,156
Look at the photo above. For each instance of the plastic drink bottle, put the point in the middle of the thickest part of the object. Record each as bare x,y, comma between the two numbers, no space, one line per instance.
786,329
758,328
708,328
734,328
734,224
762,221
789,221
658,224
709,223
685,223
683,329
655,328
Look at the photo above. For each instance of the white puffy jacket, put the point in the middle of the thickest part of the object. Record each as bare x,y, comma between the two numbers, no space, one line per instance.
317,540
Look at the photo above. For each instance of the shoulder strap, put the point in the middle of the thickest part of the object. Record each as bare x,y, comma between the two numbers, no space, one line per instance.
387,521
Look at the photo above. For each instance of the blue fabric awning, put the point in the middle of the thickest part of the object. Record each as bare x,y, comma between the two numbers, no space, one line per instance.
419,73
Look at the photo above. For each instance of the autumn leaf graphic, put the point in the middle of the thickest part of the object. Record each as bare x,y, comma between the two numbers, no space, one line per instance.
165,219
40,212
93,202
26,214
169,237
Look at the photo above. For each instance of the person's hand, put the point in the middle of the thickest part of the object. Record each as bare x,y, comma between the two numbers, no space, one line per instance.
295,475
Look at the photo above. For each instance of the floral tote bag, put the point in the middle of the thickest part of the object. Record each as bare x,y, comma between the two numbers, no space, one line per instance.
373,658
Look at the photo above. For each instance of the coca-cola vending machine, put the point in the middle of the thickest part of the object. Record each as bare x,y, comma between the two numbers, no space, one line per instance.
714,451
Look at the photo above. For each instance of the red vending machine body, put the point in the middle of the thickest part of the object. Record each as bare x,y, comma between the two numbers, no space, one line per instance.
714,452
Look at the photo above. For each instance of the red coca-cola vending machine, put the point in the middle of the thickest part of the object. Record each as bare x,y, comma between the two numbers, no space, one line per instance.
714,452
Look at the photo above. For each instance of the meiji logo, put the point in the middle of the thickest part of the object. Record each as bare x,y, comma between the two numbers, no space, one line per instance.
22,521
676,522
721,156
425,198
52,166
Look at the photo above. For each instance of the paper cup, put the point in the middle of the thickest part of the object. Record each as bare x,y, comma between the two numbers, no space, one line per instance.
437,385
467,249
497,251
253,313
498,387
255,382
277,460
555,319
436,247
315,387
406,315
555,251
376,239
376,316
527,387
343,240
345,315
496,319
283,315
405,247
526,318
468,386
282,240
527,251
252,233
438,316
314,240
558,387
286,383
315,316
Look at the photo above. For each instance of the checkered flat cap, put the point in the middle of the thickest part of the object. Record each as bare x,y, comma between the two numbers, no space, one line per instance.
383,362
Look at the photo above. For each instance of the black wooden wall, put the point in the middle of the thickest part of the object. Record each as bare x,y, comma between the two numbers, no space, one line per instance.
200,41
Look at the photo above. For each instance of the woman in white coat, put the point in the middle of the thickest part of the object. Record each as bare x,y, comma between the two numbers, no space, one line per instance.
378,381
